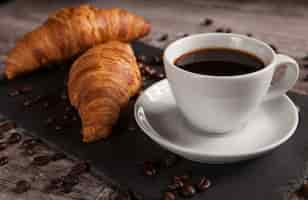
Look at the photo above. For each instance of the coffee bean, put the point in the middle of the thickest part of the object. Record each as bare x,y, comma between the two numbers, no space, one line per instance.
163,37
203,184
80,168
14,93
170,160
303,191
175,186
142,58
58,128
135,196
65,117
70,180
249,34
206,22
74,118
30,143
14,138
188,191
6,126
58,156
228,30
219,30
182,178
46,104
64,96
26,89
181,35
41,160
273,47
169,196
150,170
49,121
27,103
4,160
3,146
22,186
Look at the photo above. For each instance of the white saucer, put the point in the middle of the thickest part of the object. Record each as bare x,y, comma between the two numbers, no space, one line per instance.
157,115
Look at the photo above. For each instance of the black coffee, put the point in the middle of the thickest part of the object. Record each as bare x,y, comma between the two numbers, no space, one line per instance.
219,62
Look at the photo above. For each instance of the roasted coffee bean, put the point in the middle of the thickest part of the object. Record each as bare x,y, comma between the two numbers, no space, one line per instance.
3,146
14,93
64,96
46,104
58,156
149,170
175,186
4,160
68,109
170,161
22,186
182,178
160,75
14,138
70,180
228,30
74,118
181,35
58,128
65,117
26,89
163,37
6,126
169,196
41,160
27,103
219,30
188,191
249,34
206,22
80,168
30,143
303,191
135,195
142,58
49,121
273,47
203,184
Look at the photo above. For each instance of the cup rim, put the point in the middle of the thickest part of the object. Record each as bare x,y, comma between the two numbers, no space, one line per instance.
171,63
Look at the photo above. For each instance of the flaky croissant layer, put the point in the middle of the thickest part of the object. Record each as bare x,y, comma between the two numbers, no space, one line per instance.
69,32
101,81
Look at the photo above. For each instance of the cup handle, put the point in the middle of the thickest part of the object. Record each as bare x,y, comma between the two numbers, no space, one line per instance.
287,81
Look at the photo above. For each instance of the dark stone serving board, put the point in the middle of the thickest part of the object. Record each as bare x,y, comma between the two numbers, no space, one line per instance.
268,177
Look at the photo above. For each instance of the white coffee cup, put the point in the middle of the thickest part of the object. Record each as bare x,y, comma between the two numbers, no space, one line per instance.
220,104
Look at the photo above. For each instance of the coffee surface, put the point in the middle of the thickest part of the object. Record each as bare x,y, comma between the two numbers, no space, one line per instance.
219,62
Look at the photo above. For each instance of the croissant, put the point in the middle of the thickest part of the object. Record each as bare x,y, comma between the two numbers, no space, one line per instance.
68,33
100,83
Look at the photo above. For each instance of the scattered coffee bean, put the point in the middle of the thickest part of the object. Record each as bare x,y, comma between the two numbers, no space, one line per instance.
3,146
80,168
142,58
70,180
30,143
22,186
160,75
170,160
169,196
149,168
135,196
188,191
74,118
26,89
175,186
4,160
228,30
14,138
41,160
58,156
49,121
14,93
27,103
64,96
249,34
273,47
182,178
58,128
46,104
68,109
219,30
303,191
163,37
203,184
181,35
206,22
6,126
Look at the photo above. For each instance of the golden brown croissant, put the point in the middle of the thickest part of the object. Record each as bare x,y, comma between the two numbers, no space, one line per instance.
68,33
101,81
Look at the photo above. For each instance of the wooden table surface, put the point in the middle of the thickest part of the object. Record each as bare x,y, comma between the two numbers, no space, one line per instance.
282,23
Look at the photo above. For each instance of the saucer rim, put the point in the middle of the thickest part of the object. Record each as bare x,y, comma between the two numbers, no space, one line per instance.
169,145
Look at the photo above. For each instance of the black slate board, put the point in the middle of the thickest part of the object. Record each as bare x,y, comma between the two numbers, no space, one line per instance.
268,177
